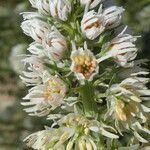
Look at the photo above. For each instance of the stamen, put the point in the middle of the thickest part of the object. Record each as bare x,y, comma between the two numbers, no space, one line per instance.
85,65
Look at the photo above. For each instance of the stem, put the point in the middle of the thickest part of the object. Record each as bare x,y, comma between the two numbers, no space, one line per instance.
87,95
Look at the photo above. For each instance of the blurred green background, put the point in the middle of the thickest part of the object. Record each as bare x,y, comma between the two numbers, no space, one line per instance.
14,123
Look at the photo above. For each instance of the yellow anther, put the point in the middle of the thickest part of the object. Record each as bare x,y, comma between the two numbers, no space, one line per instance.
78,119
87,58
52,82
86,131
68,125
70,121
85,125
76,59
55,91
87,63
81,58
120,111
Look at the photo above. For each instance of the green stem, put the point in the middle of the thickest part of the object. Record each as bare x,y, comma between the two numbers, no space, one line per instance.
87,95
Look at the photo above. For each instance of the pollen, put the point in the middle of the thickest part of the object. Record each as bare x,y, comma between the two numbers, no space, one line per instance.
85,64
120,111
52,87
47,95
86,131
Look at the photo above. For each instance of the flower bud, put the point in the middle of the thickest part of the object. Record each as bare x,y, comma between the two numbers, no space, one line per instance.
92,24
34,71
35,28
60,9
55,45
36,49
93,3
41,5
123,49
113,16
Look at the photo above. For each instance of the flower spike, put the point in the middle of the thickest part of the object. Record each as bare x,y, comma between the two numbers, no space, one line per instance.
84,77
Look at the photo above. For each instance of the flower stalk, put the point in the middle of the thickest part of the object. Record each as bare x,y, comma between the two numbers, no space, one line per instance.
87,96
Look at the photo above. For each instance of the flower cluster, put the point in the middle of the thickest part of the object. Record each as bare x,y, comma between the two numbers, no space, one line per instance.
75,129
83,76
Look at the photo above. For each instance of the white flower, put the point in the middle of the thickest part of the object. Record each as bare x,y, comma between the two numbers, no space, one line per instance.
138,83
41,5
82,125
84,64
125,105
34,72
45,97
92,24
121,103
122,49
113,16
31,15
36,49
35,28
133,87
93,3
74,131
54,45
125,47
123,112
49,139
135,69
60,9
135,126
